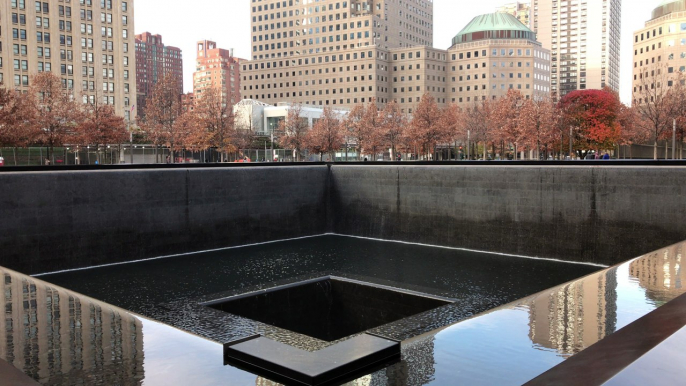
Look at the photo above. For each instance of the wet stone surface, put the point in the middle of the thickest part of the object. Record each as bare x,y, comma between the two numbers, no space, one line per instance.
172,290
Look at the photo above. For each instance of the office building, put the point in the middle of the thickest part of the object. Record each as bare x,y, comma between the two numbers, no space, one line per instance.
154,60
89,44
345,74
583,37
330,52
217,68
495,53
659,51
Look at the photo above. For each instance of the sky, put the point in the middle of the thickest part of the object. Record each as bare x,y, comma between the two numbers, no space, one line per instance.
183,23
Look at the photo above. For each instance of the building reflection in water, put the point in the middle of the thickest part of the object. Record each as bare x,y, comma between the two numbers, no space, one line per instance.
576,315
660,274
57,337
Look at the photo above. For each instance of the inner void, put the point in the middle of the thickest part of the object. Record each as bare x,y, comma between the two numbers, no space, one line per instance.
477,281
329,308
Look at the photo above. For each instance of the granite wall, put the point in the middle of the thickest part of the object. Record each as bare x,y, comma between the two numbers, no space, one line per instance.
595,214
71,219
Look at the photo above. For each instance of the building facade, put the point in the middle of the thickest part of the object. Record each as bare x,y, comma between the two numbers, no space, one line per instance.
495,53
583,37
330,52
345,75
521,11
89,44
659,51
154,60
217,68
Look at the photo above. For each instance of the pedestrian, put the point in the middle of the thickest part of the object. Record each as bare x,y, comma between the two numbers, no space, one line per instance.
47,162
168,159
606,156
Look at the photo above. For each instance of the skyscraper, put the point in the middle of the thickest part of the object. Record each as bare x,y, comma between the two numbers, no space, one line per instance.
89,44
584,39
217,68
153,61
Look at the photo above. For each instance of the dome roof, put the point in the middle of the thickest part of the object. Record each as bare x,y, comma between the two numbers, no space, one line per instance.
494,26
668,6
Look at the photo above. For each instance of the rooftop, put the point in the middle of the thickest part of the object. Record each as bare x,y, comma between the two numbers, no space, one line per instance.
494,26
668,6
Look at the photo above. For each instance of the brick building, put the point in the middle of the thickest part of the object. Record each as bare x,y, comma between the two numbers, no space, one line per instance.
153,61
217,68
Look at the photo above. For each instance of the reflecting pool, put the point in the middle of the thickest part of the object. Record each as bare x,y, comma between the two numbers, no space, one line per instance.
58,336
170,289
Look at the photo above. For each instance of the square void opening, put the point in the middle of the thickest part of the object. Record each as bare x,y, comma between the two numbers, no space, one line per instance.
329,308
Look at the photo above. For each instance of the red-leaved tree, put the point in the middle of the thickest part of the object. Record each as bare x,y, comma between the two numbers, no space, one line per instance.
595,114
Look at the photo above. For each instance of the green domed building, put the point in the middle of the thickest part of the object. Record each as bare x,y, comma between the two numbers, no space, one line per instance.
496,53
494,26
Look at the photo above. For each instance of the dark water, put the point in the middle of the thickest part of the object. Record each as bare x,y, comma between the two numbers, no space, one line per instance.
480,279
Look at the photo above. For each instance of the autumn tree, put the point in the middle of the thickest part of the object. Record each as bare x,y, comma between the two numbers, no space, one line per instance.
651,103
538,121
393,125
507,119
477,122
163,110
327,135
676,105
293,131
56,113
595,115
16,116
633,131
426,126
357,129
373,120
101,126
215,123
452,120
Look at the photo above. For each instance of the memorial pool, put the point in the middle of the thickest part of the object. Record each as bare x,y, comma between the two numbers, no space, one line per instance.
173,289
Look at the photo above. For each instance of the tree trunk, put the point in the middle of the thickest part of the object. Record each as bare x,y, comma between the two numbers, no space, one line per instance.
655,150
14,151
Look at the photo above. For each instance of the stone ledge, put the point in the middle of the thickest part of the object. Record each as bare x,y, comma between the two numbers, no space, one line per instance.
270,358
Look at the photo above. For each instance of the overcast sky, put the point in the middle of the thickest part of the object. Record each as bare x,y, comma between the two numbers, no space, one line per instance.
182,23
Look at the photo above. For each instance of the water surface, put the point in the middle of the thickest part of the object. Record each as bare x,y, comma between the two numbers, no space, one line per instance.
480,281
